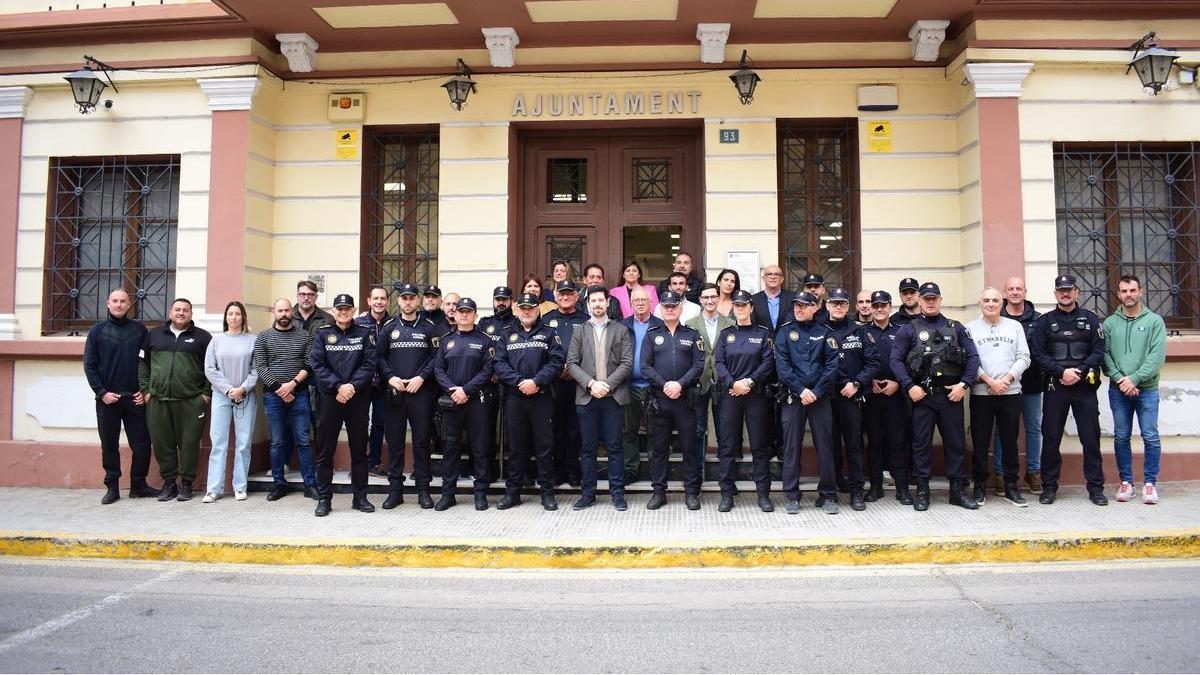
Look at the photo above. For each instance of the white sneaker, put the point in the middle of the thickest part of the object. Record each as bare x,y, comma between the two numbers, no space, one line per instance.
1125,492
239,495
1149,494
210,498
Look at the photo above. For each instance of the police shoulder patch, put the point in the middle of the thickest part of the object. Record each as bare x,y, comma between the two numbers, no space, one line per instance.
512,337
730,338
700,345
1100,329
871,337
554,323
492,352
793,336
395,334
923,336
831,342
332,339
449,345
436,340
490,329
557,339
658,339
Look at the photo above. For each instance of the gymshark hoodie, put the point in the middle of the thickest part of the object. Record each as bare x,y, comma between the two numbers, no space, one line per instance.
1135,347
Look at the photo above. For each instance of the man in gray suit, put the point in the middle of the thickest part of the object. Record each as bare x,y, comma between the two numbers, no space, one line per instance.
600,359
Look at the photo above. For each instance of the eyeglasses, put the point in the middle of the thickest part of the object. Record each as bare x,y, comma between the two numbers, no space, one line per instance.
306,294
773,274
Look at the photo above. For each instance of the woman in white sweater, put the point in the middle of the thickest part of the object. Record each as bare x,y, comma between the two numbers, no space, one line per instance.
996,394
227,365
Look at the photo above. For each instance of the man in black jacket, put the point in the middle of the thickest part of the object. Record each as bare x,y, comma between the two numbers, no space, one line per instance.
1019,309
773,304
110,362
684,264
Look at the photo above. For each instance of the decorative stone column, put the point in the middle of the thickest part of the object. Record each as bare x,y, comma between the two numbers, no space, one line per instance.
229,100
13,102
997,90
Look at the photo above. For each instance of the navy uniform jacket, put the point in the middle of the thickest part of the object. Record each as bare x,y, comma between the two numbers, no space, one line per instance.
464,360
806,357
343,357
494,327
906,337
672,358
1067,321
407,349
535,354
442,324
885,340
744,351
902,318
564,324
858,360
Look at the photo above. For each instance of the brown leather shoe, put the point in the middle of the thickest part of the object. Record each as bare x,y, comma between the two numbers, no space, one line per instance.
998,484
1034,481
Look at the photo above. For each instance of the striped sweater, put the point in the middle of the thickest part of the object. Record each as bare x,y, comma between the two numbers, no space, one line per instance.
280,355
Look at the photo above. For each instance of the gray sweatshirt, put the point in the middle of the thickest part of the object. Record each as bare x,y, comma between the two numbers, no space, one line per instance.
227,362
1002,350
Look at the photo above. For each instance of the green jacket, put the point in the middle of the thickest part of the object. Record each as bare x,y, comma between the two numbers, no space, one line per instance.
172,368
697,323
1135,348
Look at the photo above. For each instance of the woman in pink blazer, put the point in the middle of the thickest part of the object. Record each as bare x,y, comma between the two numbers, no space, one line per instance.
632,274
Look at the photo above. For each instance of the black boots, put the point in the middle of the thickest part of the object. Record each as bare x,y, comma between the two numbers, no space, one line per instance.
959,496
169,492
764,503
111,495
903,495
857,501
508,501
657,501
549,503
874,493
979,494
185,490
921,500
395,498
138,489
1013,494
726,504
445,502
323,508
423,498
360,503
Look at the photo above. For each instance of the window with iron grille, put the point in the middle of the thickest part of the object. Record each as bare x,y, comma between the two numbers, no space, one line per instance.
112,222
400,209
818,203
1131,208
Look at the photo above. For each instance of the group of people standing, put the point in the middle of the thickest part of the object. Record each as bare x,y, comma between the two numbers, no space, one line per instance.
571,370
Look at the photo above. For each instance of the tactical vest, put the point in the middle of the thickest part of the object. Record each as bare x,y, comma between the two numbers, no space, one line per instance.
935,353
1070,342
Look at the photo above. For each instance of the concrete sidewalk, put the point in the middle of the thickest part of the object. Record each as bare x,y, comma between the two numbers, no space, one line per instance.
73,523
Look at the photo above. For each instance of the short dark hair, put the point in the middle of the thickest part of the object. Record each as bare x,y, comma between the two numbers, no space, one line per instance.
597,266
635,264
374,287
1127,278
689,255
677,274
310,285
709,286
595,289
189,302
245,319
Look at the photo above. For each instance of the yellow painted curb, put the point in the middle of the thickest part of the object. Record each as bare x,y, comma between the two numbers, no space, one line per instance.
1002,549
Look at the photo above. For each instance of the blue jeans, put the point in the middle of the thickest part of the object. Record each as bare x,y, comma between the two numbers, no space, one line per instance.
601,421
1145,404
378,418
290,424
713,398
242,414
1031,415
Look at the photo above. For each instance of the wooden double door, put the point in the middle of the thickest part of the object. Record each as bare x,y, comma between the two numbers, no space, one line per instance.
609,197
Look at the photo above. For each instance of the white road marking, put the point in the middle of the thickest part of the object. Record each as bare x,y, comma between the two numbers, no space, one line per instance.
58,623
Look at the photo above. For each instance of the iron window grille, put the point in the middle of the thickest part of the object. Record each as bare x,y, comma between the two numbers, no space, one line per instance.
112,223
1124,208
819,203
568,248
400,209
651,180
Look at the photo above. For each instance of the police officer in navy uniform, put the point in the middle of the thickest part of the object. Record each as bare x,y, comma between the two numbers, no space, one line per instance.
463,368
858,364
815,283
806,362
431,309
567,441
495,326
407,350
1068,345
744,362
936,361
910,298
672,359
528,361
886,413
343,364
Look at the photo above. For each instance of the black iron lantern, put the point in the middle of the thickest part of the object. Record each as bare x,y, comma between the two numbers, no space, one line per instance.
86,85
459,87
745,80
1151,63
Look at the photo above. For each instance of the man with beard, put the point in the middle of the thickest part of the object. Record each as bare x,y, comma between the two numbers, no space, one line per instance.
858,364
564,319
434,309
909,301
494,327
374,318
685,265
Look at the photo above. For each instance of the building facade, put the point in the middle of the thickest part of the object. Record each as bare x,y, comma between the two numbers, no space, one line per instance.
255,144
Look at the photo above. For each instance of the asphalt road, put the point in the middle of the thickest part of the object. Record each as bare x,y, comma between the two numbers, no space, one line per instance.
133,617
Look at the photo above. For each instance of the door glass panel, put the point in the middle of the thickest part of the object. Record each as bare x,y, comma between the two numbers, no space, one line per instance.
568,248
654,246
652,180
566,180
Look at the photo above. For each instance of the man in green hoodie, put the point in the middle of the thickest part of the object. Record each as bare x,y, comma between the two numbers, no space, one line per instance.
1135,352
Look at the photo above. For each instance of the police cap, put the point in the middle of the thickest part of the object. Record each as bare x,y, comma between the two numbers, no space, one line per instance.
812,279
909,284
742,297
407,289
465,303
839,295
930,290
881,297
502,292
804,298
670,299
433,290
528,300
565,286
1064,281
343,300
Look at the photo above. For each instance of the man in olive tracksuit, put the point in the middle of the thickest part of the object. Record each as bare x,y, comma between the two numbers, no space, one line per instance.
171,376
